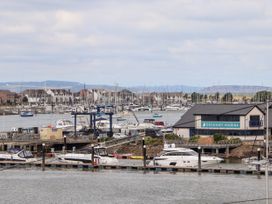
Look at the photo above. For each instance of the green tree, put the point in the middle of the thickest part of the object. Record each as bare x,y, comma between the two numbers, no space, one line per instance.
205,98
185,96
218,137
227,98
262,96
25,100
217,96
196,97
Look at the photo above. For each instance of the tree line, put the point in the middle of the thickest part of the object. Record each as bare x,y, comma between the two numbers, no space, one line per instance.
228,97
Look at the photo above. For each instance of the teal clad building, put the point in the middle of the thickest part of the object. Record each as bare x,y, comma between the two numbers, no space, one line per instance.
245,121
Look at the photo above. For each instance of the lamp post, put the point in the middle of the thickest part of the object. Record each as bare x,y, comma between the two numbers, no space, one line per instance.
267,146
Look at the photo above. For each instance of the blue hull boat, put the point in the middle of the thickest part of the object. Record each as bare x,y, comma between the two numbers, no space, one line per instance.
26,114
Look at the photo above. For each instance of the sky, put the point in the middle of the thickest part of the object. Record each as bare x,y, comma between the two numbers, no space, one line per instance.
137,42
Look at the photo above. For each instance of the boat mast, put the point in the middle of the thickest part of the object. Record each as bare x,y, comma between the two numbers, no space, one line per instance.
115,98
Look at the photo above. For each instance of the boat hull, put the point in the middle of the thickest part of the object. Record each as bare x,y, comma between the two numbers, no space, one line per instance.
188,161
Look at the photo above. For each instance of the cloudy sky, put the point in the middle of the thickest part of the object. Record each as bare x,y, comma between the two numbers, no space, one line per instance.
137,42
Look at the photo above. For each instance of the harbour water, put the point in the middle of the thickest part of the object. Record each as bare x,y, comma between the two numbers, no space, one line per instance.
9,121
107,186
33,186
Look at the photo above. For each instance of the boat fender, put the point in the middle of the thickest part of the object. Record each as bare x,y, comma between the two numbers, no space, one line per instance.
96,161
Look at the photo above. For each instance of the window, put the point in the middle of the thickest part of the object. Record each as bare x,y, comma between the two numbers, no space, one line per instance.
191,153
255,121
233,118
231,132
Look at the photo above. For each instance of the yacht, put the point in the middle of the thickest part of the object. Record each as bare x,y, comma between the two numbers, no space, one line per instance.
183,157
17,155
101,157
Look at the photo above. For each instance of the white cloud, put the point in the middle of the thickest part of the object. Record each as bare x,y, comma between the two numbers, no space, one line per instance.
110,37
67,19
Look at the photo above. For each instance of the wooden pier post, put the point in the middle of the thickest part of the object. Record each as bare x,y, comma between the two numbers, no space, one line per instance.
259,158
144,152
93,155
199,159
43,156
64,142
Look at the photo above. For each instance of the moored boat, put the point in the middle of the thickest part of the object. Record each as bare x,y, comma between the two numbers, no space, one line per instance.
67,125
183,157
157,115
26,114
101,157
121,119
17,155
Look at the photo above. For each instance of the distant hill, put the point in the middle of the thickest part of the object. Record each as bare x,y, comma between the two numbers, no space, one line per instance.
235,89
177,88
73,86
76,86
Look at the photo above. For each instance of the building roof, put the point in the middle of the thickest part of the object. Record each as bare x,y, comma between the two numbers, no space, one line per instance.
263,108
224,109
188,119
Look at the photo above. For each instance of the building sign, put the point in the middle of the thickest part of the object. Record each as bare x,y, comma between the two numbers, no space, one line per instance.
220,125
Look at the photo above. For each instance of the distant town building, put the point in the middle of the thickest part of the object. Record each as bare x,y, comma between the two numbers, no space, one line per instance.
48,96
7,97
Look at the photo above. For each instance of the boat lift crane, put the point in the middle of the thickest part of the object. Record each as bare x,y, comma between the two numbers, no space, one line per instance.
133,113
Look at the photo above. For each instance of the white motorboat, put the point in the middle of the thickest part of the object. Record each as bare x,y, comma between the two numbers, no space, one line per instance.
101,157
119,136
67,125
253,163
174,107
17,155
183,157
104,125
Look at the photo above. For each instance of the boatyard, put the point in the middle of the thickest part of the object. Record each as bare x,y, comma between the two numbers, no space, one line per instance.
142,149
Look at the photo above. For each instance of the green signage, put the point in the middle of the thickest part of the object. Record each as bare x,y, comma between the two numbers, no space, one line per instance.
220,124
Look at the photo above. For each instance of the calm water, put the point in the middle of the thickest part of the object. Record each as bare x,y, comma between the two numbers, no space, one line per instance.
33,186
8,122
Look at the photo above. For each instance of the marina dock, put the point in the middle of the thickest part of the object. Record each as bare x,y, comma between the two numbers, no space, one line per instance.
89,167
